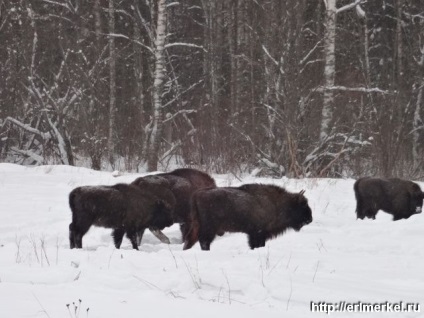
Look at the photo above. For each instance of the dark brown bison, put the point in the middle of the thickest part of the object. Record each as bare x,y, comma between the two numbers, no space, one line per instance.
122,207
401,198
182,183
260,211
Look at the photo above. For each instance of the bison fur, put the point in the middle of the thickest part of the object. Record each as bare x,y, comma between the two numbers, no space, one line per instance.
261,211
122,207
400,198
182,183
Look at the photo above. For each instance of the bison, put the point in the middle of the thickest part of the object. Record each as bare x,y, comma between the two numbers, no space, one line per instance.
400,198
122,207
261,211
182,183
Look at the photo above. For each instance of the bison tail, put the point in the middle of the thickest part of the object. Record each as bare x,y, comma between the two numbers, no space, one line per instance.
359,201
74,204
72,196
355,186
192,235
356,189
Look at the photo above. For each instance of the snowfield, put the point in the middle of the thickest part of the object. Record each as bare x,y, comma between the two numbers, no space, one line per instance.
335,258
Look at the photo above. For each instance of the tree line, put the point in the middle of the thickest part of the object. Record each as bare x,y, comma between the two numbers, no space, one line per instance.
321,88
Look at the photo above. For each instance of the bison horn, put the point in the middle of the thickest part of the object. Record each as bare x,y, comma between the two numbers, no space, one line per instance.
302,192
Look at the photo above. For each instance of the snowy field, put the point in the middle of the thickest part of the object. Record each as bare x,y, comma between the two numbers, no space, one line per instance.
335,258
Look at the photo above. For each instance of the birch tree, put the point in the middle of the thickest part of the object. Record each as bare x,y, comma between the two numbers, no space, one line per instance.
295,87
330,23
112,83
159,77
329,68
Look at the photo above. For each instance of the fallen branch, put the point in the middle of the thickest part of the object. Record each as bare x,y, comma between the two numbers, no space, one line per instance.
27,127
355,89
29,154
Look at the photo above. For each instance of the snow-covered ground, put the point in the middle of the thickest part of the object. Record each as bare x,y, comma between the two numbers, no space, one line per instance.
335,258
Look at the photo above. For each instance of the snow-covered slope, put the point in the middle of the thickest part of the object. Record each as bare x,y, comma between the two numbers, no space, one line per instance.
335,258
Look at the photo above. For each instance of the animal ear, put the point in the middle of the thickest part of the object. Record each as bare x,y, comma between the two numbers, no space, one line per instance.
301,198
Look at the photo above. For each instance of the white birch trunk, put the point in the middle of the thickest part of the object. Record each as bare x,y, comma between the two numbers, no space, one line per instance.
417,123
97,20
363,16
329,69
112,83
399,48
138,72
159,76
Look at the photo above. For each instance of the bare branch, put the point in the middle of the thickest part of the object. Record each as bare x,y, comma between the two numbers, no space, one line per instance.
60,142
177,97
145,25
58,4
269,55
171,150
349,6
39,159
167,46
27,127
172,4
129,39
310,52
355,89
182,111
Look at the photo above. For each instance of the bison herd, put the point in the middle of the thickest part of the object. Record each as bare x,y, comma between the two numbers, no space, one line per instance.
191,198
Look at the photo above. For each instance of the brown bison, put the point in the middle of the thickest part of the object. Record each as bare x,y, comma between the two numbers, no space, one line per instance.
401,198
260,211
182,183
122,207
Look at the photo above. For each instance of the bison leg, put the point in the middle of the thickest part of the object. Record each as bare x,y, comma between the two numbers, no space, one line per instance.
371,214
192,236
262,241
399,217
118,235
76,232
71,236
132,236
256,240
205,245
205,240
185,229
360,213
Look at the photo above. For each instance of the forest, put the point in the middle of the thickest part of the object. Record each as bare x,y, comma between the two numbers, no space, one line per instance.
296,88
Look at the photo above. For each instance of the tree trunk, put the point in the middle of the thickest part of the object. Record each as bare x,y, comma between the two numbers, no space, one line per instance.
97,21
417,124
159,76
138,74
399,48
329,69
112,83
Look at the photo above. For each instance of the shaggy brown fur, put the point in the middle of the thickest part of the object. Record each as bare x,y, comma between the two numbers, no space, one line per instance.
401,198
182,183
122,207
260,211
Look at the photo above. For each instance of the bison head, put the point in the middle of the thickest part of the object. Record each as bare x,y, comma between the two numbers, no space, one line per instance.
417,202
162,216
301,212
